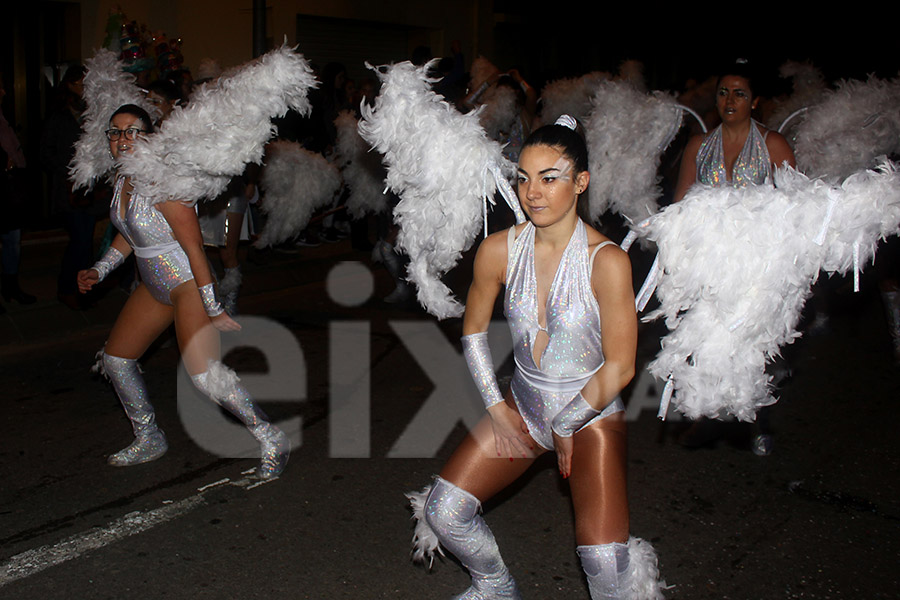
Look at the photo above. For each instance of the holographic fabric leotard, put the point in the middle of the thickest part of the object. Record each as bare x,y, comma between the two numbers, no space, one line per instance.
753,165
574,351
161,261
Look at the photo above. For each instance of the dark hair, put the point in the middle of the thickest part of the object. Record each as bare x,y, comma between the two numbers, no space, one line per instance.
136,111
165,88
739,68
571,142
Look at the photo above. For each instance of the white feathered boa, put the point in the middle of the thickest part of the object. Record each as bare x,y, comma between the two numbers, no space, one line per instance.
201,147
443,167
295,183
626,133
735,268
361,167
849,128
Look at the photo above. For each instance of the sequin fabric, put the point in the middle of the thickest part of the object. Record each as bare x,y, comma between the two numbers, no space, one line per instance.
452,514
481,365
574,352
149,441
161,261
221,385
604,565
753,165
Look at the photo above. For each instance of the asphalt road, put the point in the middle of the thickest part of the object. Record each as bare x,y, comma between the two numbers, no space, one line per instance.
817,519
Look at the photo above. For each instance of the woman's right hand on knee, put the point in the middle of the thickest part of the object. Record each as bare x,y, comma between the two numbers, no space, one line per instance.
511,436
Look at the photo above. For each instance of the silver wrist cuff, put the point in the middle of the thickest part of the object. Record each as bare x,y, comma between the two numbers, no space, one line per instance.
481,366
111,259
212,306
573,416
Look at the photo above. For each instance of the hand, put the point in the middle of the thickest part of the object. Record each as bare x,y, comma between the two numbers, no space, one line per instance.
86,279
223,322
510,432
563,446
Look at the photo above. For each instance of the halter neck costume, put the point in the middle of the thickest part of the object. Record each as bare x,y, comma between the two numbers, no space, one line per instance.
161,260
574,352
753,164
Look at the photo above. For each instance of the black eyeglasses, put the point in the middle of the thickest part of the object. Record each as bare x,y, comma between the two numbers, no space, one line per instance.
130,133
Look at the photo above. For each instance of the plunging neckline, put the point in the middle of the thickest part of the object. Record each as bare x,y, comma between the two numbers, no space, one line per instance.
550,293
123,210
729,173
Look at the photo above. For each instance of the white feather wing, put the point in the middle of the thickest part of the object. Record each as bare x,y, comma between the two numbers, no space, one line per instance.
225,126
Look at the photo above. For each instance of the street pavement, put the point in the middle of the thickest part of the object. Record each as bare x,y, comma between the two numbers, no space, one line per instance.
819,518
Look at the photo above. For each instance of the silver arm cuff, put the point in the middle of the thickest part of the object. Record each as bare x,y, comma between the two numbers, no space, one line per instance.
573,416
212,306
481,366
111,259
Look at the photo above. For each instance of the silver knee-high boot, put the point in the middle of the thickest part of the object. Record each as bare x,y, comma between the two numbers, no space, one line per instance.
149,440
221,384
450,515
621,571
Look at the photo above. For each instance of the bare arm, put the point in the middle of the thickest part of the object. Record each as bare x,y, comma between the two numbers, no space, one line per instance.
510,432
780,151
687,172
612,285
186,230
487,280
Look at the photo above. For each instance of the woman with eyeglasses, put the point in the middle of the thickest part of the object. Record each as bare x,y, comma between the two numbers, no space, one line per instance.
176,286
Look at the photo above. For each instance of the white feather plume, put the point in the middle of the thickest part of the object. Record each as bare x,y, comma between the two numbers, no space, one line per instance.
626,133
498,111
361,167
106,88
425,543
737,267
808,88
481,70
439,162
295,183
570,96
850,128
641,580
225,126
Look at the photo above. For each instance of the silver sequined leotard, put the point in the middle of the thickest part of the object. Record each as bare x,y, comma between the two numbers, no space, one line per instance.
753,165
162,262
574,352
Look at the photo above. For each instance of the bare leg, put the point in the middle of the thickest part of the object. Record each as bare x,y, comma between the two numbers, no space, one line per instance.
140,322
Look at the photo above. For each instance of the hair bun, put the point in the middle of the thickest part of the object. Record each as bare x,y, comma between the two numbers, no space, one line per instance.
567,121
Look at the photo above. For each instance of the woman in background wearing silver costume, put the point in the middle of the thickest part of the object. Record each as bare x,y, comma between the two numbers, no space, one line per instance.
176,286
740,151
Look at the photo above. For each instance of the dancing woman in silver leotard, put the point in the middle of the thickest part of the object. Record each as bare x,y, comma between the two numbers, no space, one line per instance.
176,287
563,281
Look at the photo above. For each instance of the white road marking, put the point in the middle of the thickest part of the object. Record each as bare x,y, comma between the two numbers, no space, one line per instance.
30,562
